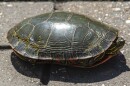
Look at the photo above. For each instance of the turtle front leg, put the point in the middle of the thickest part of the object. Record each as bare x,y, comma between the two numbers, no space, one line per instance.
45,73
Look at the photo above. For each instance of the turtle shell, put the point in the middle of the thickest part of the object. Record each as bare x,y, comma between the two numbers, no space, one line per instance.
61,35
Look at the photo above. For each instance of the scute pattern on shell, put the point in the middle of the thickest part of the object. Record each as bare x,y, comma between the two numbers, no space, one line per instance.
61,35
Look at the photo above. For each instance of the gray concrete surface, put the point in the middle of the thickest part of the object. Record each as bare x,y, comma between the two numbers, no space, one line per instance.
115,72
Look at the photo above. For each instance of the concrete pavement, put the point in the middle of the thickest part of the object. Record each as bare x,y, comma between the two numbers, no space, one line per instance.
115,72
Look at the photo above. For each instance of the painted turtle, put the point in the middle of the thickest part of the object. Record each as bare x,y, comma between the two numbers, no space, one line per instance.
64,38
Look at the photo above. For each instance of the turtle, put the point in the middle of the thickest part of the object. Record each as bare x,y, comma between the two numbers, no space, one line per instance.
64,38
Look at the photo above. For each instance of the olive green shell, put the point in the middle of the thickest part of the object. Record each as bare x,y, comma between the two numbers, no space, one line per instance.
61,35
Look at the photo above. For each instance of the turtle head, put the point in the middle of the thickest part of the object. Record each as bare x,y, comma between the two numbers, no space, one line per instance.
120,42
116,46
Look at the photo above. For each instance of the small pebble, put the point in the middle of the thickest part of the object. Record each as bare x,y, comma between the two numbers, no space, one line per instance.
127,21
122,51
9,79
122,36
95,10
2,33
99,18
9,5
89,84
24,18
41,8
106,14
103,84
116,9
1,14
129,34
